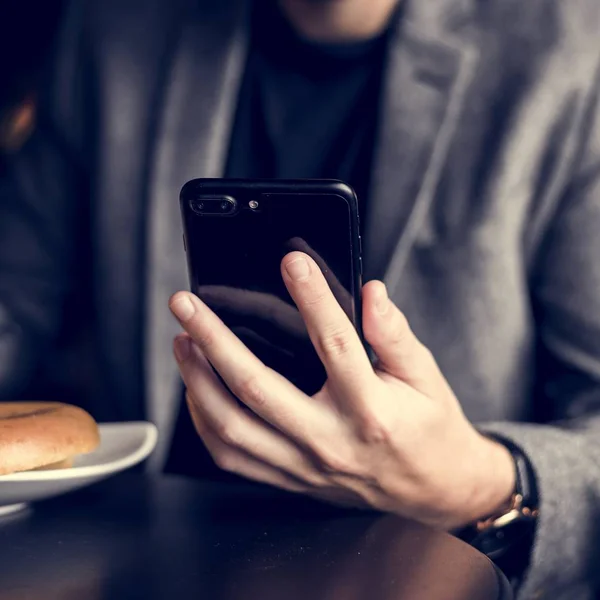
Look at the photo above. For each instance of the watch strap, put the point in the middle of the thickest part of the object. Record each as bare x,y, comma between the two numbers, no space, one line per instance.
525,479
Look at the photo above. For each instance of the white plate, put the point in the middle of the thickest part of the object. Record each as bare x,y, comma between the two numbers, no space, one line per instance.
122,445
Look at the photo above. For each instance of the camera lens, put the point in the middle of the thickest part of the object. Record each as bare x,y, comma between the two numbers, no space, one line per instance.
213,206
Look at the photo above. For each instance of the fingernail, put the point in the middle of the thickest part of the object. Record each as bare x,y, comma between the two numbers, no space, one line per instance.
183,308
298,269
182,348
382,302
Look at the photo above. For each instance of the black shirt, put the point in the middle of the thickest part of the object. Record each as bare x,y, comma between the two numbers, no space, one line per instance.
305,110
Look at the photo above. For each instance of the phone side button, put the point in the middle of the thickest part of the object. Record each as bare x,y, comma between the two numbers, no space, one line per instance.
360,265
184,245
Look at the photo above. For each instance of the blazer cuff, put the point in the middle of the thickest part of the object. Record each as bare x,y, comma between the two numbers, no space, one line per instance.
569,502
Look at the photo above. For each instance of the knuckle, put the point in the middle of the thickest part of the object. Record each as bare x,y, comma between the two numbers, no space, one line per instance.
226,460
315,294
373,431
228,433
336,343
204,337
332,462
401,330
250,391
316,480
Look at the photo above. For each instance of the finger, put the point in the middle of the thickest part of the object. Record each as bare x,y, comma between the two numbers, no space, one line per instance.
261,389
398,350
236,461
248,464
212,402
342,295
334,337
240,443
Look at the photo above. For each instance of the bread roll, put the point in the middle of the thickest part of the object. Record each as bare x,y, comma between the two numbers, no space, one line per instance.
43,435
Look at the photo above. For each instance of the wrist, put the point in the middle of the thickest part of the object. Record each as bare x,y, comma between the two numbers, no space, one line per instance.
495,488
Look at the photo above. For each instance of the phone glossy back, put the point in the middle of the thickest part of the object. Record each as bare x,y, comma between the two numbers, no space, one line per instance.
237,231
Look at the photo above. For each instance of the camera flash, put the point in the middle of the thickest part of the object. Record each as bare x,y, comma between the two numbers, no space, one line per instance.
253,204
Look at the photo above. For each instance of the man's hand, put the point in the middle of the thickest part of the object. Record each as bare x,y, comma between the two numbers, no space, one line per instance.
392,437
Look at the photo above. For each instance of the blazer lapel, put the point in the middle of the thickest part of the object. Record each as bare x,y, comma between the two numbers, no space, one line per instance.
193,136
428,73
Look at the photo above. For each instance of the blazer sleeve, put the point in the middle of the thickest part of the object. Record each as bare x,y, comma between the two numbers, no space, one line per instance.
565,449
42,203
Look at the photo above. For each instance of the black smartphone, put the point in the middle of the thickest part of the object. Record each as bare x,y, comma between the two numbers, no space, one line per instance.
236,233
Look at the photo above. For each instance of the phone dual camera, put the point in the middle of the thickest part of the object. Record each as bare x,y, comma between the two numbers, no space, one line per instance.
219,205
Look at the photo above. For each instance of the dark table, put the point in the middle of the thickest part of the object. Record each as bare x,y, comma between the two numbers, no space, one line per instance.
134,537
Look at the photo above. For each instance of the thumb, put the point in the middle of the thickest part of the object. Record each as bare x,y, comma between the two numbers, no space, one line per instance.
398,350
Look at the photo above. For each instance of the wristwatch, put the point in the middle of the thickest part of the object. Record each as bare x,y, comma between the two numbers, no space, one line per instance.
507,537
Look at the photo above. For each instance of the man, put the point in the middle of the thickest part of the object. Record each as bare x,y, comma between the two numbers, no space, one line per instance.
471,132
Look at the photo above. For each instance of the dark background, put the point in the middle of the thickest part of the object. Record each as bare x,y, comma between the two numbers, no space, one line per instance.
27,31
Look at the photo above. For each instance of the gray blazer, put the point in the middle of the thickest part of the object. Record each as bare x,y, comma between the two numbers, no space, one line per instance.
484,219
